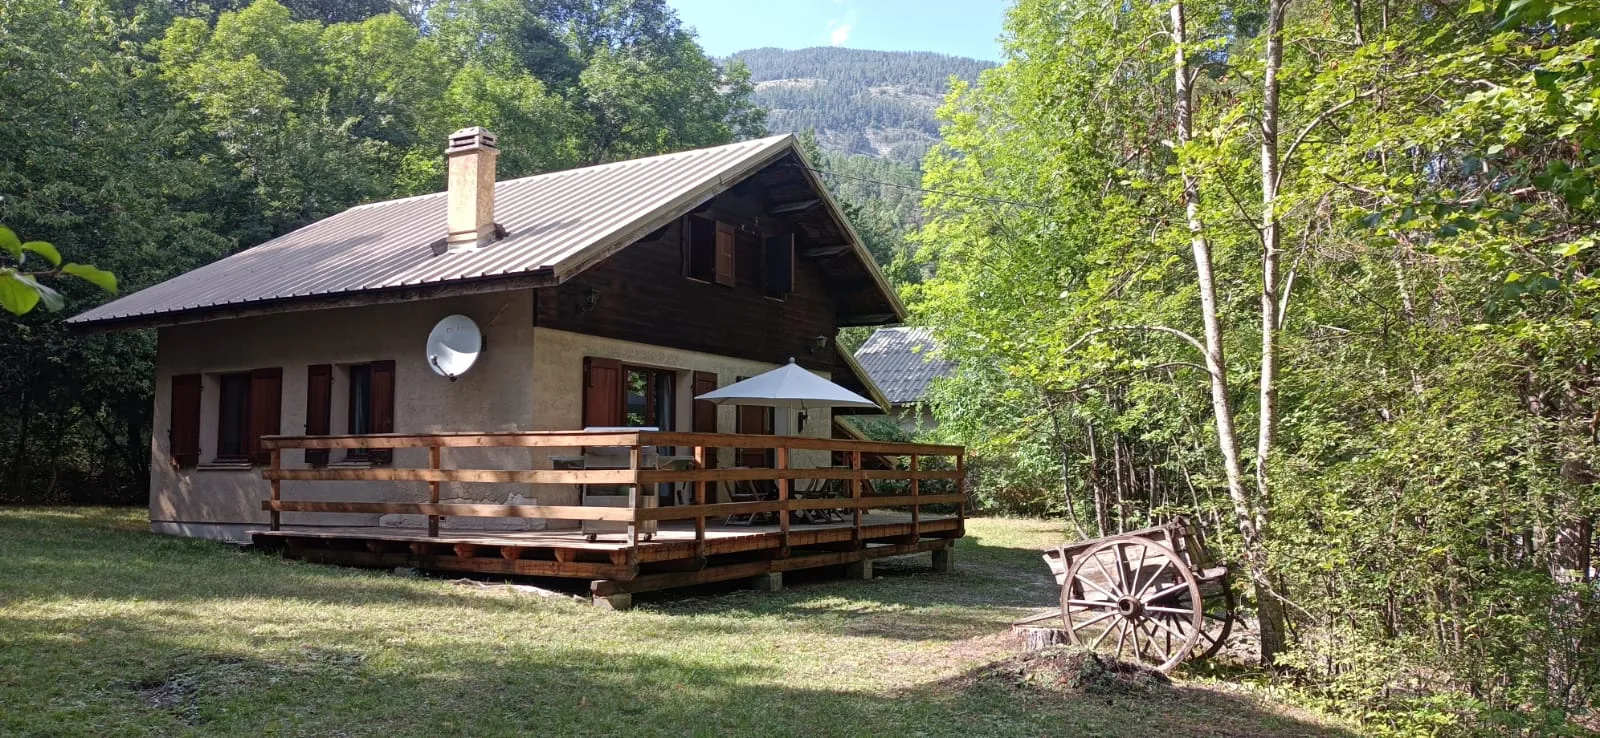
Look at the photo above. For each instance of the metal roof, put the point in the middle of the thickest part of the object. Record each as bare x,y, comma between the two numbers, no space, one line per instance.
902,362
556,225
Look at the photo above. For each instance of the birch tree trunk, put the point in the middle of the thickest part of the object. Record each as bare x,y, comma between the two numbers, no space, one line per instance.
1270,605
1246,513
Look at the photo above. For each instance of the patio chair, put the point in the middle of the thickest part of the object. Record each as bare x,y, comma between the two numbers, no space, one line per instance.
745,490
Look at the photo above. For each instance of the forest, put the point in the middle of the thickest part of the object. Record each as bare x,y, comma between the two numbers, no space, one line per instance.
152,136
1321,274
880,104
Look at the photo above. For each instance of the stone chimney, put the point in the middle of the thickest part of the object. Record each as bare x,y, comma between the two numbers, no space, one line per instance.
471,154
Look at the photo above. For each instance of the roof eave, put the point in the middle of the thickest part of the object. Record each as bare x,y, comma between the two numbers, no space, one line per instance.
541,277
861,253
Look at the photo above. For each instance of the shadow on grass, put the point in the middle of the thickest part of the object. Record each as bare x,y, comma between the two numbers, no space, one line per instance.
146,681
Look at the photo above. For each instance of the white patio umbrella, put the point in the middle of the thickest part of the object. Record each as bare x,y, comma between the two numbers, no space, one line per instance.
787,386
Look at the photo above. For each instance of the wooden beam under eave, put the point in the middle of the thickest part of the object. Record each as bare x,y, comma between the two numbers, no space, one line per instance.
851,321
795,207
817,252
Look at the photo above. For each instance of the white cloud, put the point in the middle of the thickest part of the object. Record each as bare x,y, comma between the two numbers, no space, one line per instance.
839,29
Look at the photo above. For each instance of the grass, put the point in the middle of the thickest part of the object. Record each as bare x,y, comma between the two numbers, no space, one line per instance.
106,629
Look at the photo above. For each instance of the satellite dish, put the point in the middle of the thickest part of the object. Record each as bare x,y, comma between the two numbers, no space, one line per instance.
453,346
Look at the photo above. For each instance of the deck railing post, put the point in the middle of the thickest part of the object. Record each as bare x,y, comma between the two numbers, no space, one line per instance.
277,463
635,462
856,483
433,491
961,489
700,500
916,504
783,496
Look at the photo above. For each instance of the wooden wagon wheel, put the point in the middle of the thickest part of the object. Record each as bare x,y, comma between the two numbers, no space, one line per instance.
1133,595
1216,599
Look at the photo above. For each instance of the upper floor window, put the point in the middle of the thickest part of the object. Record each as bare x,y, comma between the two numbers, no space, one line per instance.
708,250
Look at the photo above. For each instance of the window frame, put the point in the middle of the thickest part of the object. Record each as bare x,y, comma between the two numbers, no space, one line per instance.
242,424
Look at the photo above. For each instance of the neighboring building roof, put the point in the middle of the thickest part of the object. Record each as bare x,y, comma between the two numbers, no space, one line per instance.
556,224
902,362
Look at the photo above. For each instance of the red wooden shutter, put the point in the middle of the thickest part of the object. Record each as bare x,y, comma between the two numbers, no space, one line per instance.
266,409
183,430
382,411
319,408
726,237
602,393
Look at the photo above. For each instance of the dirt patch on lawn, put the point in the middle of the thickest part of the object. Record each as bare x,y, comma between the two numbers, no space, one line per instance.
1075,671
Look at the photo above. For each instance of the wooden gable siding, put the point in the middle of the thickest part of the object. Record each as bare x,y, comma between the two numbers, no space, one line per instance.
644,297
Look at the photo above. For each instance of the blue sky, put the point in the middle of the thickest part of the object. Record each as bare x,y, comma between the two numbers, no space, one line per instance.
959,27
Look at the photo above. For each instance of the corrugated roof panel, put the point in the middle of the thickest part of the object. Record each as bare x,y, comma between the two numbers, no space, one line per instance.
558,222
902,362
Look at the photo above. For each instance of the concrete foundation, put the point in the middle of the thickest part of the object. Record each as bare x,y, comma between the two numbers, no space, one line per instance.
859,569
769,582
944,560
623,601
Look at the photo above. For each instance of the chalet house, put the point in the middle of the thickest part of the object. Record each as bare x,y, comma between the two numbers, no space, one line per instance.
607,296
903,362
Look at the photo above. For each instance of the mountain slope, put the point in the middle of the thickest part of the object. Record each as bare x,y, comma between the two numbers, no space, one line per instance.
874,103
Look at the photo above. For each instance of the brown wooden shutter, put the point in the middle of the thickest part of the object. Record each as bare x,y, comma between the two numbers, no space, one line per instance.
266,410
319,408
602,393
382,411
754,420
705,411
727,236
183,430
777,268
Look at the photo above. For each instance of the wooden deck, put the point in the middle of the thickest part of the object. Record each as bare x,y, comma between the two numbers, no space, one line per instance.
692,544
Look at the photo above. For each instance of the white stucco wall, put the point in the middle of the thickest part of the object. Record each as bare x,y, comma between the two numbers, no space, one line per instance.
527,379
495,396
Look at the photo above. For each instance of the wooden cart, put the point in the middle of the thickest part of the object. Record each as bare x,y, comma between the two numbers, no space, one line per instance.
1155,595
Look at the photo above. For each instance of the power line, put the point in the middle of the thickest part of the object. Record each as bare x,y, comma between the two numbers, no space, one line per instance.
994,200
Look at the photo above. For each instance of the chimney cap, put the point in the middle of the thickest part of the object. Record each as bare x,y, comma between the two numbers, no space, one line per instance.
472,139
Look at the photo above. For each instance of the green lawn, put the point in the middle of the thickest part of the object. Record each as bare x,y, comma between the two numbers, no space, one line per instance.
106,629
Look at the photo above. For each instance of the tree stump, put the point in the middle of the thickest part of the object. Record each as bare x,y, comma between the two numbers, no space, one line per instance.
1038,637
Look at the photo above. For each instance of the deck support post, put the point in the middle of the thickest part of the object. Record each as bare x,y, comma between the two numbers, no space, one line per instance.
277,487
783,496
961,489
771,581
859,569
944,559
635,460
433,492
856,483
916,504
700,499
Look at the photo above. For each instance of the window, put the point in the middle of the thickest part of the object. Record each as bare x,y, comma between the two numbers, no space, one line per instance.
647,398
708,249
370,407
628,396
249,405
756,420
777,268
233,418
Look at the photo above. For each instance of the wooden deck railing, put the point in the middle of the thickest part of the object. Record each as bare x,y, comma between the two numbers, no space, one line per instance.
949,463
